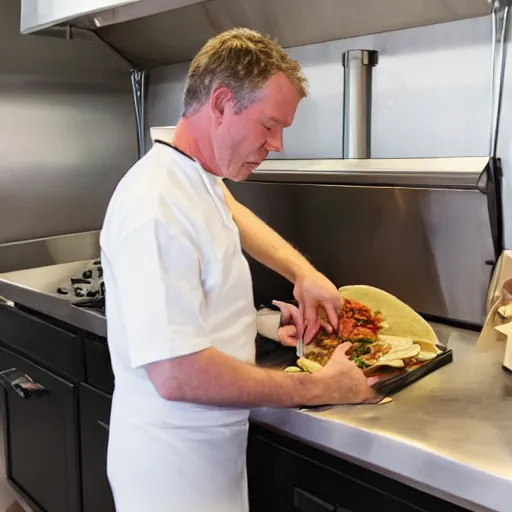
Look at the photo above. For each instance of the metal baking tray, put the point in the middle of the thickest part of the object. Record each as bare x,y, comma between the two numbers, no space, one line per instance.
395,383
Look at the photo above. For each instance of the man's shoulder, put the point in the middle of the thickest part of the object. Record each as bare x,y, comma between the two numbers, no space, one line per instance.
154,194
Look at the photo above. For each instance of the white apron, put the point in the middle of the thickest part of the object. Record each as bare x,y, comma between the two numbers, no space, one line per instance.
165,456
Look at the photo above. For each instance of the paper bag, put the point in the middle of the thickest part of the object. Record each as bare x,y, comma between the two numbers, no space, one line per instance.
489,335
502,273
506,329
496,298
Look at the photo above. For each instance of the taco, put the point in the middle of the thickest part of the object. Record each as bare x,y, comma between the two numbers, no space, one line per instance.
383,330
399,318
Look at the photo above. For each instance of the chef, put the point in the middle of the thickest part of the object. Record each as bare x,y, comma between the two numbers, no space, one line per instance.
179,299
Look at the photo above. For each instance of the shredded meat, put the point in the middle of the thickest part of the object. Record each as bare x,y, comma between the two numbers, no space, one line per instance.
358,325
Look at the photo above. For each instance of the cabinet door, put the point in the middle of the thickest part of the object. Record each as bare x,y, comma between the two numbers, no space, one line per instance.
40,434
94,418
288,476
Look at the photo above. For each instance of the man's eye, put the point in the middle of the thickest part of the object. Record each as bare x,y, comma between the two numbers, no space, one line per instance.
267,127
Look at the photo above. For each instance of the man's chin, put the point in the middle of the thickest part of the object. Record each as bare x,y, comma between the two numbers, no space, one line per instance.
244,172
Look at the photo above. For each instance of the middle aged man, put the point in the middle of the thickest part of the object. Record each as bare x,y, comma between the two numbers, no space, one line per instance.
179,302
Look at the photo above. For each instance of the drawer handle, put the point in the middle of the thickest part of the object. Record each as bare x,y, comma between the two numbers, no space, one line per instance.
22,383
102,424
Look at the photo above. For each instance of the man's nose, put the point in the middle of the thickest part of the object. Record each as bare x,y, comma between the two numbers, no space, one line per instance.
275,142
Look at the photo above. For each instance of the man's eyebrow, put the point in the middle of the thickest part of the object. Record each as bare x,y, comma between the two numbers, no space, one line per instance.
278,121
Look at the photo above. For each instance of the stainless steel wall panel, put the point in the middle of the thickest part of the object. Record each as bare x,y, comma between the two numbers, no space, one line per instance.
55,250
428,247
67,132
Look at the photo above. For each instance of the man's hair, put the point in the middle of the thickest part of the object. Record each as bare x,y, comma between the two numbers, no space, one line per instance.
241,60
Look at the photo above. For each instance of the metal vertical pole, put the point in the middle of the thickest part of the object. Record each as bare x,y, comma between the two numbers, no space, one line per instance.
500,27
138,81
357,102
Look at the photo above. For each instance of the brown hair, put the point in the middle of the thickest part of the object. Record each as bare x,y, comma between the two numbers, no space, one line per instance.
241,60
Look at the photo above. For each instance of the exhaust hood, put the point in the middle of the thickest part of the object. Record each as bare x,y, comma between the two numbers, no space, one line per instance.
151,33
41,14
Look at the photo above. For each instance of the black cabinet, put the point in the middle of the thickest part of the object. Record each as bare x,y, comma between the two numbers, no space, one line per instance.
288,476
56,398
98,366
94,418
45,340
41,433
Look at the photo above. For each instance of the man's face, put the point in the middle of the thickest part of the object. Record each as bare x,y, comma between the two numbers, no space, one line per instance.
242,141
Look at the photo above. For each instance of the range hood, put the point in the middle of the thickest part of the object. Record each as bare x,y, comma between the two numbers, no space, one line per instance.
41,14
151,33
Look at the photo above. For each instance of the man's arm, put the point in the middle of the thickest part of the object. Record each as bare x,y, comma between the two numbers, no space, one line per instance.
210,377
312,289
264,244
268,323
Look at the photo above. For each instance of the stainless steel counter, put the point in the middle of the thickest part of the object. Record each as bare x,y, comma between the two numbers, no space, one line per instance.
35,288
449,434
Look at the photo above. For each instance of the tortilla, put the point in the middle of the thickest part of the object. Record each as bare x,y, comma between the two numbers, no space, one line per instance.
308,366
400,319
428,351
383,330
425,352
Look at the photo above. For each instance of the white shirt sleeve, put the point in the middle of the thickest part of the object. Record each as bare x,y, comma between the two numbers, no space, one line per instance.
268,322
157,274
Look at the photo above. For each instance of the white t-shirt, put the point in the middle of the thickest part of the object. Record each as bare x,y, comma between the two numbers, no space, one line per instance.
176,283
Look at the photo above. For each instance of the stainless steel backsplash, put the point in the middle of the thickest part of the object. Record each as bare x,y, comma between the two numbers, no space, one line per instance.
428,247
67,132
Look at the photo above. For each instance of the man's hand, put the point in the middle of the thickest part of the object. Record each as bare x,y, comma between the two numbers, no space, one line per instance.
340,381
313,290
291,322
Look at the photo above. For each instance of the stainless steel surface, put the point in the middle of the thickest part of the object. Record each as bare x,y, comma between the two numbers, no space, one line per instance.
75,55
36,289
53,250
357,102
461,173
428,247
500,30
500,3
167,38
449,434
67,135
40,14
67,145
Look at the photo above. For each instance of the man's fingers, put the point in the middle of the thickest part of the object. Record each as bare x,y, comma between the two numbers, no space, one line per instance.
332,314
341,350
310,331
288,336
301,325
371,381
285,310
312,322
343,347
296,317
326,325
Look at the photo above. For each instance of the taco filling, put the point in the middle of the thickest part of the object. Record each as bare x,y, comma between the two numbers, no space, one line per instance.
365,329
357,325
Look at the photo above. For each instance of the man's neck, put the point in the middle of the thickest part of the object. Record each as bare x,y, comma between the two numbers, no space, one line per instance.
191,137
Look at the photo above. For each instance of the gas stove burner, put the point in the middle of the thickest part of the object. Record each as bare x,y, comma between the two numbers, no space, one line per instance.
86,289
96,304
87,274
81,280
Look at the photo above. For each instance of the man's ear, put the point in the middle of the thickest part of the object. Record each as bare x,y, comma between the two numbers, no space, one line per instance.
219,100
